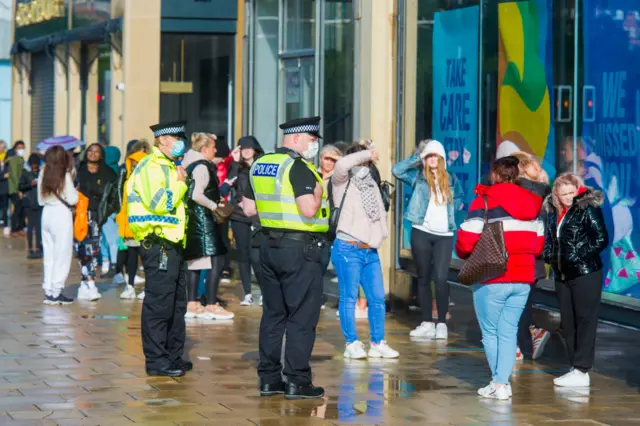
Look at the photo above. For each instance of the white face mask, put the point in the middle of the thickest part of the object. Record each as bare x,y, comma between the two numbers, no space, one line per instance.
20,152
312,151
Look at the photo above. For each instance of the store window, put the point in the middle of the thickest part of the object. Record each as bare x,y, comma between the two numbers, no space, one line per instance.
198,70
264,90
300,24
338,71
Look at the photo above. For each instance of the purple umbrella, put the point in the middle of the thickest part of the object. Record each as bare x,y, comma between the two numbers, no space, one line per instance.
66,142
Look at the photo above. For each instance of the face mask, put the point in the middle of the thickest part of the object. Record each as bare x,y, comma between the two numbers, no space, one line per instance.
311,151
178,149
20,152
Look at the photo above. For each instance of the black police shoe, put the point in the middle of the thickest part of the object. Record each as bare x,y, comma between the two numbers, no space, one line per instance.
182,364
303,391
270,389
166,372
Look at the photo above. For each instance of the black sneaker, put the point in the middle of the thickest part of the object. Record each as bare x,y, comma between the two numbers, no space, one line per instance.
50,300
225,277
309,391
32,255
64,300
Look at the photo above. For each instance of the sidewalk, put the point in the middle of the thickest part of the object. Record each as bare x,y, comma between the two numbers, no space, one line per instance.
83,365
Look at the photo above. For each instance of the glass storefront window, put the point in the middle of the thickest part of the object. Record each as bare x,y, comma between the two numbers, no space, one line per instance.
338,71
299,25
264,91
298,84
205,61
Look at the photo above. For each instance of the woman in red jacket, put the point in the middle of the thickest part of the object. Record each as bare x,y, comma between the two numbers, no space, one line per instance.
499,302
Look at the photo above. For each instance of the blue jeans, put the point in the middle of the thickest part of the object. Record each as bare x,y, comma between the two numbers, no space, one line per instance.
109,240
498,308
354,267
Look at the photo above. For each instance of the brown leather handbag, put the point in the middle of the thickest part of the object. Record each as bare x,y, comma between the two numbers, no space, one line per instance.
488,259
223,212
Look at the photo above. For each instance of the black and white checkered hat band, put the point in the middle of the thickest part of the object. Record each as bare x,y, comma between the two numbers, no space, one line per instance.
307,128
169,131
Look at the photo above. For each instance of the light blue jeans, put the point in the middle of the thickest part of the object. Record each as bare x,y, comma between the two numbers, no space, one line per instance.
354,267
109,240
499,308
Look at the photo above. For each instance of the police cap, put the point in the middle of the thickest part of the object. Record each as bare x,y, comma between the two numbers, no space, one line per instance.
309,125
176,128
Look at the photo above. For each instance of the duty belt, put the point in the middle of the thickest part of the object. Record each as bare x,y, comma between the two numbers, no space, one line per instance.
153,239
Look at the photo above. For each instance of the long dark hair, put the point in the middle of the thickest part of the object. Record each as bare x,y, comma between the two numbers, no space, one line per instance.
56,165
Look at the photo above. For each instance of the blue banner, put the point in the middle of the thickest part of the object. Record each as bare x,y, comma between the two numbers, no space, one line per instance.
455,92
608,153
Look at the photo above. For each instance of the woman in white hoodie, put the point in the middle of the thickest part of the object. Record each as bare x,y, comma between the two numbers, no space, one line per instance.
435,198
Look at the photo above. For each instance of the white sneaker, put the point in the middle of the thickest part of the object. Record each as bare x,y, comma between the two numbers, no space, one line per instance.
6,231
93,291
441,331
355,350
491,391
84,292
141,295
487,390
137,280
248,300
573,379
105,267
426,330
119,278
129,293
260,300
382,350
322,307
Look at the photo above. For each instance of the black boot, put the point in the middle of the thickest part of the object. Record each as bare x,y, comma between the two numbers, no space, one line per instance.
303,391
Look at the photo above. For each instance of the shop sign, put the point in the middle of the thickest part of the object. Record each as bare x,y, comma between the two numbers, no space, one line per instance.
36,11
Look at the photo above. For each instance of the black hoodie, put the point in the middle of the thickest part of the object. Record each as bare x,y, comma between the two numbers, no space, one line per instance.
241,171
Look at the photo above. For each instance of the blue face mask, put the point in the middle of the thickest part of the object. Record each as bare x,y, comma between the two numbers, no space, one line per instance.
178,149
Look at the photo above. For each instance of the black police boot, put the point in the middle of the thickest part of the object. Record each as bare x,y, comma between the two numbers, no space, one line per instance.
166,372
182,364
303,391
270,389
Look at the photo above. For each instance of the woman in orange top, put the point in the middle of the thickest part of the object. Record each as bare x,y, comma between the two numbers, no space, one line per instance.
133,246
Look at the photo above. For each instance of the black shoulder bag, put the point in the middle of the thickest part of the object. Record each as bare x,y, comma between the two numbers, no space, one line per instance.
334,217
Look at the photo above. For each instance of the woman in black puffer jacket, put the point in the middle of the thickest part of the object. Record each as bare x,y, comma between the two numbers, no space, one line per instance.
575,236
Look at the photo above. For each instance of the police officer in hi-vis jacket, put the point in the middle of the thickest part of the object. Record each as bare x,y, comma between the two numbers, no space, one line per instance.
156,214
287,194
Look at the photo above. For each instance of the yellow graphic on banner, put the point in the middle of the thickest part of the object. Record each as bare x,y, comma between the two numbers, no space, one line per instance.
524,104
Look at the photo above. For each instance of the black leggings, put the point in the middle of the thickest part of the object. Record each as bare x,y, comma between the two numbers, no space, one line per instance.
123,255
212,281
428,249
34,226
17,216
242,234
4,209
132,263
224,230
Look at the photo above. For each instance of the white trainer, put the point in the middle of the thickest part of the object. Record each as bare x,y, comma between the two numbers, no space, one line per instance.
84,293
441,331
573,379
94,294
490,388
141,295
129,293
426,329
119,278
382,350
248,300
105,267
355,350
260,300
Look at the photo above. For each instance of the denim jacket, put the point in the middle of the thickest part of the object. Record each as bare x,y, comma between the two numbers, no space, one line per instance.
409,171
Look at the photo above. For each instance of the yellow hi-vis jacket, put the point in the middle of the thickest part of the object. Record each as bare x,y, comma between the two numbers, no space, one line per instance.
275,199
155,199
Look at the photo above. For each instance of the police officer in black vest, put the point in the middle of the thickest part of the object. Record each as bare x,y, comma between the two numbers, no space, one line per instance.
288,196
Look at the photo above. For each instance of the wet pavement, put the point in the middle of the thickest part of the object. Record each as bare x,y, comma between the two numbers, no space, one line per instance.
82,364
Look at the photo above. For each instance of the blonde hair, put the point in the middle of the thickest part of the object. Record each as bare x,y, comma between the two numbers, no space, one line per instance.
527,164
200,140
442,178
562,180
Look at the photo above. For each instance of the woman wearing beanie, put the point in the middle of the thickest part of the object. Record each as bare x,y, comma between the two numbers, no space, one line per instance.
435,198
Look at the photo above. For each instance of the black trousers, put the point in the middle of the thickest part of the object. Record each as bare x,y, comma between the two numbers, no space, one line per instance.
224,229
432,255
292,296
34,228
132,263
123,256
526,320
579,306
4,209
164,307
17,216
212,282
244,238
